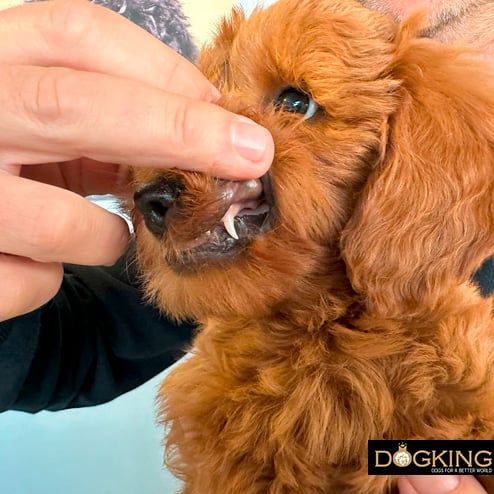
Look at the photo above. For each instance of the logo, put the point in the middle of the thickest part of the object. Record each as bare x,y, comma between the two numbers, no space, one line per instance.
427,457
402,458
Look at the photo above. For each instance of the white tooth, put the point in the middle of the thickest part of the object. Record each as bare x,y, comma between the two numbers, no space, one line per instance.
229,223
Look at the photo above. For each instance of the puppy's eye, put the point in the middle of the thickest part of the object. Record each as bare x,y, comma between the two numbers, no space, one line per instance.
294,101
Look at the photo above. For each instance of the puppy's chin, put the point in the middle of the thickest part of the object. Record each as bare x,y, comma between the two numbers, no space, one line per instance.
254,283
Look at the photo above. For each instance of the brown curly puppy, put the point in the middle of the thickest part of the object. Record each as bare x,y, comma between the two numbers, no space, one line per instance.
334,293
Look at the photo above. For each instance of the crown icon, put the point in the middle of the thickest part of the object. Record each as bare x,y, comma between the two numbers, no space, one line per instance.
402,458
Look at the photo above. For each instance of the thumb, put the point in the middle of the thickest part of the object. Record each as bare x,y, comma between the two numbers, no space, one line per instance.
439,484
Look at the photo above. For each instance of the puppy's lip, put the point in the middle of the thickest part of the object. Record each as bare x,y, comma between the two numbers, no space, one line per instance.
249,198
267,187
248,211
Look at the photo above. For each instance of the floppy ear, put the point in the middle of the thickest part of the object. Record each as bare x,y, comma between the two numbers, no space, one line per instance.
425,219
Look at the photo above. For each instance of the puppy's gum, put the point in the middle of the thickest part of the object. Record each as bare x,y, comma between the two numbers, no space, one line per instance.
241,208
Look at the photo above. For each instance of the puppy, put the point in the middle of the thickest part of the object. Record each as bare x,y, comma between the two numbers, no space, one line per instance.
333,293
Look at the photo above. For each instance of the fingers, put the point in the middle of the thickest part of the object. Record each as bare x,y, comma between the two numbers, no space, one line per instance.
77,34
439,484
26,284
75,86
49,224
53,114
62,114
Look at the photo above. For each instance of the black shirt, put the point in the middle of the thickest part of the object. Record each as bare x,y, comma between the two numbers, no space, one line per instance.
95,340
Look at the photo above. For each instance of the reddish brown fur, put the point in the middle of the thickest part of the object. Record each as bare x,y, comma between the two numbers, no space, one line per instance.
354,318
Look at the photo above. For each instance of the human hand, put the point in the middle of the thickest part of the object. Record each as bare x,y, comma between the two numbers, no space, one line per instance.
85,89
440,484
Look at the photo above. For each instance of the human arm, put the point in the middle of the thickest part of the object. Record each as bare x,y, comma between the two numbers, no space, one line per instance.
95,340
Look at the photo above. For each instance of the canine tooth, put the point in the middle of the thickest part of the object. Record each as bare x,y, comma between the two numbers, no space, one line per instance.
229,219
229,223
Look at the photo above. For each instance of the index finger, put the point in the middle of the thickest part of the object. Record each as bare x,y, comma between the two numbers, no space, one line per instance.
49,224
80,35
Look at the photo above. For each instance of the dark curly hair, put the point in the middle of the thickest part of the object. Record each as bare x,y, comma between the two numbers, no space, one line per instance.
164,19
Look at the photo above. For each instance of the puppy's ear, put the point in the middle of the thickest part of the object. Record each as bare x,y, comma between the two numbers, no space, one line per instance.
425,219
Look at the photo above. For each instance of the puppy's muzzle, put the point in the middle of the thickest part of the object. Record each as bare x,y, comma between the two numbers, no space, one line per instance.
154,200
206,222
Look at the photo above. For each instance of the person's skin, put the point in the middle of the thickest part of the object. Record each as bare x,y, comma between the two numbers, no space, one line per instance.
471,22
83,90
468,21
440,484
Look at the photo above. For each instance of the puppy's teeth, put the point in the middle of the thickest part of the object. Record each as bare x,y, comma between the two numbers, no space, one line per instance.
229,223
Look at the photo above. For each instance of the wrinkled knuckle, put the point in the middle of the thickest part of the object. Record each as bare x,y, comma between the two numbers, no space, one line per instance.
185,135
46,100
169,71
47,104
67,23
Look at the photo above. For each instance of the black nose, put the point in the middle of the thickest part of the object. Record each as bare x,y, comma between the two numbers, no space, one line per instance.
154,200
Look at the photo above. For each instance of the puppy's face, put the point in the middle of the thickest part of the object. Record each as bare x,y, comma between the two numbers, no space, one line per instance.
314,73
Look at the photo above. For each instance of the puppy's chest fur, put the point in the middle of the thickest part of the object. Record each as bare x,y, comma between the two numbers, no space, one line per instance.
267,407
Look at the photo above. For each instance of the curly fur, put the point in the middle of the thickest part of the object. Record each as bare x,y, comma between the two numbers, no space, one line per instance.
354,318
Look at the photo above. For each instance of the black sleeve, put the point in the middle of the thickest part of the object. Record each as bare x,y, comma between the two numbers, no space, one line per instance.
93,341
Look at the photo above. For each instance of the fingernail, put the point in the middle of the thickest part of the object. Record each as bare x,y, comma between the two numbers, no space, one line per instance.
434,484
251,141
